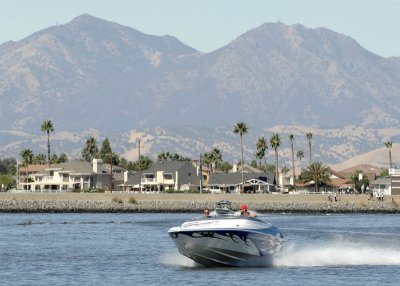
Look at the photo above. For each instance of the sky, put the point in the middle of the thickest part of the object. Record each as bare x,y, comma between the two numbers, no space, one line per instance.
207,25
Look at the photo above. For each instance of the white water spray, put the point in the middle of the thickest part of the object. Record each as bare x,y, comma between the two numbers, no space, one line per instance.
337,254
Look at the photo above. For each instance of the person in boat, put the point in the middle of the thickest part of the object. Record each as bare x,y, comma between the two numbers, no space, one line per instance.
206,213
243,211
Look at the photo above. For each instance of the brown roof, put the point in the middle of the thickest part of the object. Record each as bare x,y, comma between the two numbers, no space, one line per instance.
32,168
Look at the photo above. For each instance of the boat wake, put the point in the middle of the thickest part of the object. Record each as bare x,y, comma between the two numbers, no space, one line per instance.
337,254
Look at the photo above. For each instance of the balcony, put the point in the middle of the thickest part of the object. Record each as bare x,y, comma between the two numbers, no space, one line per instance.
149,181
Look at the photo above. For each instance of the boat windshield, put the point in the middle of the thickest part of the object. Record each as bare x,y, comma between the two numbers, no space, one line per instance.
224,208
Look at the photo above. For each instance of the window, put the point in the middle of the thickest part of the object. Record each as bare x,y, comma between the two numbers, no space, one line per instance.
168,176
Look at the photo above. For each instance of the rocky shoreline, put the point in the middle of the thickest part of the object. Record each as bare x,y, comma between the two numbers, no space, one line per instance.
173,206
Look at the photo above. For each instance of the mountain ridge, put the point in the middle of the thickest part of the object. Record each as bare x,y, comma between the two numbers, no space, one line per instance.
92,74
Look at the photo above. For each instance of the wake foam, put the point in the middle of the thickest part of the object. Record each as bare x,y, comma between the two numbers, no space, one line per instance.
177,259
337,254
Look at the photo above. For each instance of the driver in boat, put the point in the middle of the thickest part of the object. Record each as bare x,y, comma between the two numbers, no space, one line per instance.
243,211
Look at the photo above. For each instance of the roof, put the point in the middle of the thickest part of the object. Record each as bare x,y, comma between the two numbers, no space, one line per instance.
76,166
236,178
32,168
169,166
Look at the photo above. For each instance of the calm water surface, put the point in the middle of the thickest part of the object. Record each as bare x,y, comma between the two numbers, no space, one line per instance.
134,249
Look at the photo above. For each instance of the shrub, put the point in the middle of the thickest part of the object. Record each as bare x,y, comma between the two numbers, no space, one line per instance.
117,200
132,200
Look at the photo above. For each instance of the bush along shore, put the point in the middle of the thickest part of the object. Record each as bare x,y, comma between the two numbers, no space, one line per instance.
117,205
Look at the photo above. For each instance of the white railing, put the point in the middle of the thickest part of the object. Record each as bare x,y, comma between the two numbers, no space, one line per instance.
149,181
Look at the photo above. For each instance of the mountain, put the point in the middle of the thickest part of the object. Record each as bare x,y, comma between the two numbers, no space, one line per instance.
91,76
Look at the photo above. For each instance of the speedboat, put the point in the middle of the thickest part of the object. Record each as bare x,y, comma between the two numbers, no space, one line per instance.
228,239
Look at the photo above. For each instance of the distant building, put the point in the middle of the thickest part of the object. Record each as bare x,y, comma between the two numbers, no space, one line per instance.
69,176
167,175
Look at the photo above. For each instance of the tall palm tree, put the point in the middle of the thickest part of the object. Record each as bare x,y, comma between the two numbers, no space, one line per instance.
317,172
291,138
299,156
261,147
275,142
309,138
47,126
388,145
241,129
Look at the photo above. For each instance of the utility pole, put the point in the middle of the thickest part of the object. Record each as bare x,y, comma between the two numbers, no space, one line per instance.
201,175
140,179
111,173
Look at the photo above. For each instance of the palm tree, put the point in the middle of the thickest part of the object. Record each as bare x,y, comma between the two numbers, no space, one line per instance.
27,158
317,172
90,150
163,156
275,142
47,126
291,138
309,138
299,156
388,145
216,157
241,129
40,159
261,147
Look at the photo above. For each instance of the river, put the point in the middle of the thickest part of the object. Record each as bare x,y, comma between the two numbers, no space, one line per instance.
134,249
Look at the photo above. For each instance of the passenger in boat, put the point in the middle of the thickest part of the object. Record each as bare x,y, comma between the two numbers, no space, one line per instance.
206,213
243,211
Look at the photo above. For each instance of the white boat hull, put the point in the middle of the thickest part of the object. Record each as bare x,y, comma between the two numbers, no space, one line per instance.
228,242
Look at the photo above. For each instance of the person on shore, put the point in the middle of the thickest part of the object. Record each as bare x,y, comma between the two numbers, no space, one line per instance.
243,211
206,213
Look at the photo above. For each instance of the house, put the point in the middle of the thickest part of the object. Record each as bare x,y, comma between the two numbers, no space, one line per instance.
254,182
166,175
338,182
72,175
382,184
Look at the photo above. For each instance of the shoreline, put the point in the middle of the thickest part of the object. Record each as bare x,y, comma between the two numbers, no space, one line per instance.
189,203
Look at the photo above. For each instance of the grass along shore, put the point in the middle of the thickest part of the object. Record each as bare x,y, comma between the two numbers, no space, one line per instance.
133,203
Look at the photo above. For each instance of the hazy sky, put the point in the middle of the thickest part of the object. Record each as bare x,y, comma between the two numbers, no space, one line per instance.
210,24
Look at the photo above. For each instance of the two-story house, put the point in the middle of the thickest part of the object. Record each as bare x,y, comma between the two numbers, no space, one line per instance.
167,175
72,175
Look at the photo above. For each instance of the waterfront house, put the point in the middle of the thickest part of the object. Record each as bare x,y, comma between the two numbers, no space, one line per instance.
166,175
254,182
69,176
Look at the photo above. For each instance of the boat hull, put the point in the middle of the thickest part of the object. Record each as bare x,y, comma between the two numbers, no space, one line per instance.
216,246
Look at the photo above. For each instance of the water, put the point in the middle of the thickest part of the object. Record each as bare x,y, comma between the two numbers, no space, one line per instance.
134,249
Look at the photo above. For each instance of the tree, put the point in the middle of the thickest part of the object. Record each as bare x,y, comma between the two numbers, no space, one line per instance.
8,166
225,167
291,138
285,170
7,181
388,145
163,156
144,163
309,138
63,158
216,157
27,158
241,129
106,151
275,142
300,155
47,126
90,150
359,179
261,147
40,159
317,172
